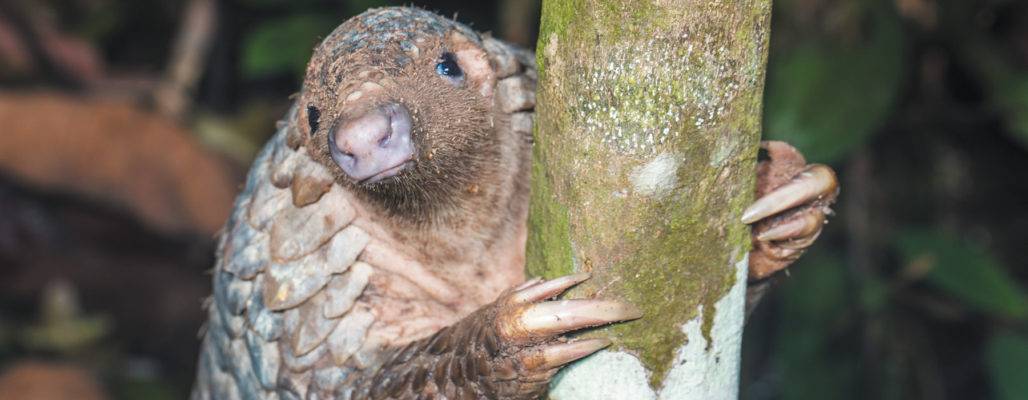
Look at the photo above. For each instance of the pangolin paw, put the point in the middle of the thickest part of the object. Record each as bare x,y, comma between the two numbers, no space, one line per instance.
511,348
529,347
794,201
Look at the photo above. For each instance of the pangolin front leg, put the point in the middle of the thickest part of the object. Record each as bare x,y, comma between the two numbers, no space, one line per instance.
508,349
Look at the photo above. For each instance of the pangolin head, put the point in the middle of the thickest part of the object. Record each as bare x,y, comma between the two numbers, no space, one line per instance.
398,103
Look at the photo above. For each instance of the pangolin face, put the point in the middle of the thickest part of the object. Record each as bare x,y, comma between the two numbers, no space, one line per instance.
398,104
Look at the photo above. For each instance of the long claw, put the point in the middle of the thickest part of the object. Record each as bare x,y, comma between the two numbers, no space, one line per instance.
799,244
548,289
559,354
555,317
784,253
794,228
529,283
816,181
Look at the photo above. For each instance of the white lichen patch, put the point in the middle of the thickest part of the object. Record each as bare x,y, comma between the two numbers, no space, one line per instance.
656,178
607,375
710,371
701,370
628,94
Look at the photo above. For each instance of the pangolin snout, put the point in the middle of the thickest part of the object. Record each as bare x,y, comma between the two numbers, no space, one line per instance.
375,145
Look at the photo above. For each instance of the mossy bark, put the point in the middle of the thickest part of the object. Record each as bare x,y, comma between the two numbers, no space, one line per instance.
646,142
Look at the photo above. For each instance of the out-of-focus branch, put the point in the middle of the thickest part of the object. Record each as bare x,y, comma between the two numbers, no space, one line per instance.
188,57
32,43
517,20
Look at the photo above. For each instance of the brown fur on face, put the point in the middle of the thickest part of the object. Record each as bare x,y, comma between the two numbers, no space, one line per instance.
453,128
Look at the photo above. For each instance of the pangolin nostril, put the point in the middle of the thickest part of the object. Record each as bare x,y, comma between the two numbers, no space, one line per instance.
375,145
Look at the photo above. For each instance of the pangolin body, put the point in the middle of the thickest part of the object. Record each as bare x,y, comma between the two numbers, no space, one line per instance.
377,248
311,286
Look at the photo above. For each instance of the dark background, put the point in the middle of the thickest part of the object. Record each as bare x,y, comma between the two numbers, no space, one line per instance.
115,175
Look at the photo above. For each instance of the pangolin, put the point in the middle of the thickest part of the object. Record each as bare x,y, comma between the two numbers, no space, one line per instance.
377,248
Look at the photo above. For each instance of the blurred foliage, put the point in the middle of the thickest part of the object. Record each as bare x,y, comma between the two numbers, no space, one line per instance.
284,45
809,344
965,271
1008,356
914,296
831,321
993,56
1012,101
827,97
149,389
98,19
93,20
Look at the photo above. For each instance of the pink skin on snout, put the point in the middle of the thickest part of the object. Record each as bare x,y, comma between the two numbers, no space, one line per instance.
374,146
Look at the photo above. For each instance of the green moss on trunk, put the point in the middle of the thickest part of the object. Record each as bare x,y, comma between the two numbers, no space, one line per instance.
646,143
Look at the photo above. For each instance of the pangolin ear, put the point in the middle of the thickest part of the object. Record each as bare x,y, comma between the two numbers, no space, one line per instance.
298,133
475,63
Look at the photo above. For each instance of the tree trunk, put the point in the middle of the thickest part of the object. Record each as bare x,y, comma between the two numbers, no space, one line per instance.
646,146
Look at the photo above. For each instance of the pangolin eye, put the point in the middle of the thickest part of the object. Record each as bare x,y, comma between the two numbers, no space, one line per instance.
447,67
312,118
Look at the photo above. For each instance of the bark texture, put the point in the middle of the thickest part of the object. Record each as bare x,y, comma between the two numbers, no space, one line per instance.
646,143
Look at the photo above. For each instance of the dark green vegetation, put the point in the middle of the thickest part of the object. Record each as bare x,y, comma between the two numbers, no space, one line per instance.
917,288
915,291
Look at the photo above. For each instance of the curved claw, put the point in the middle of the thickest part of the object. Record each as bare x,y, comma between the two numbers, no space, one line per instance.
815,182
529,283
555,317
557,355
802,226
547,289
801,243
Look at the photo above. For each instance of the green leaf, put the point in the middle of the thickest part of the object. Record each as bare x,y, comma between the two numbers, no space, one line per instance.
1007,355
826,273
284,45
874,295
1012,99
813,299
828,97
964,271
